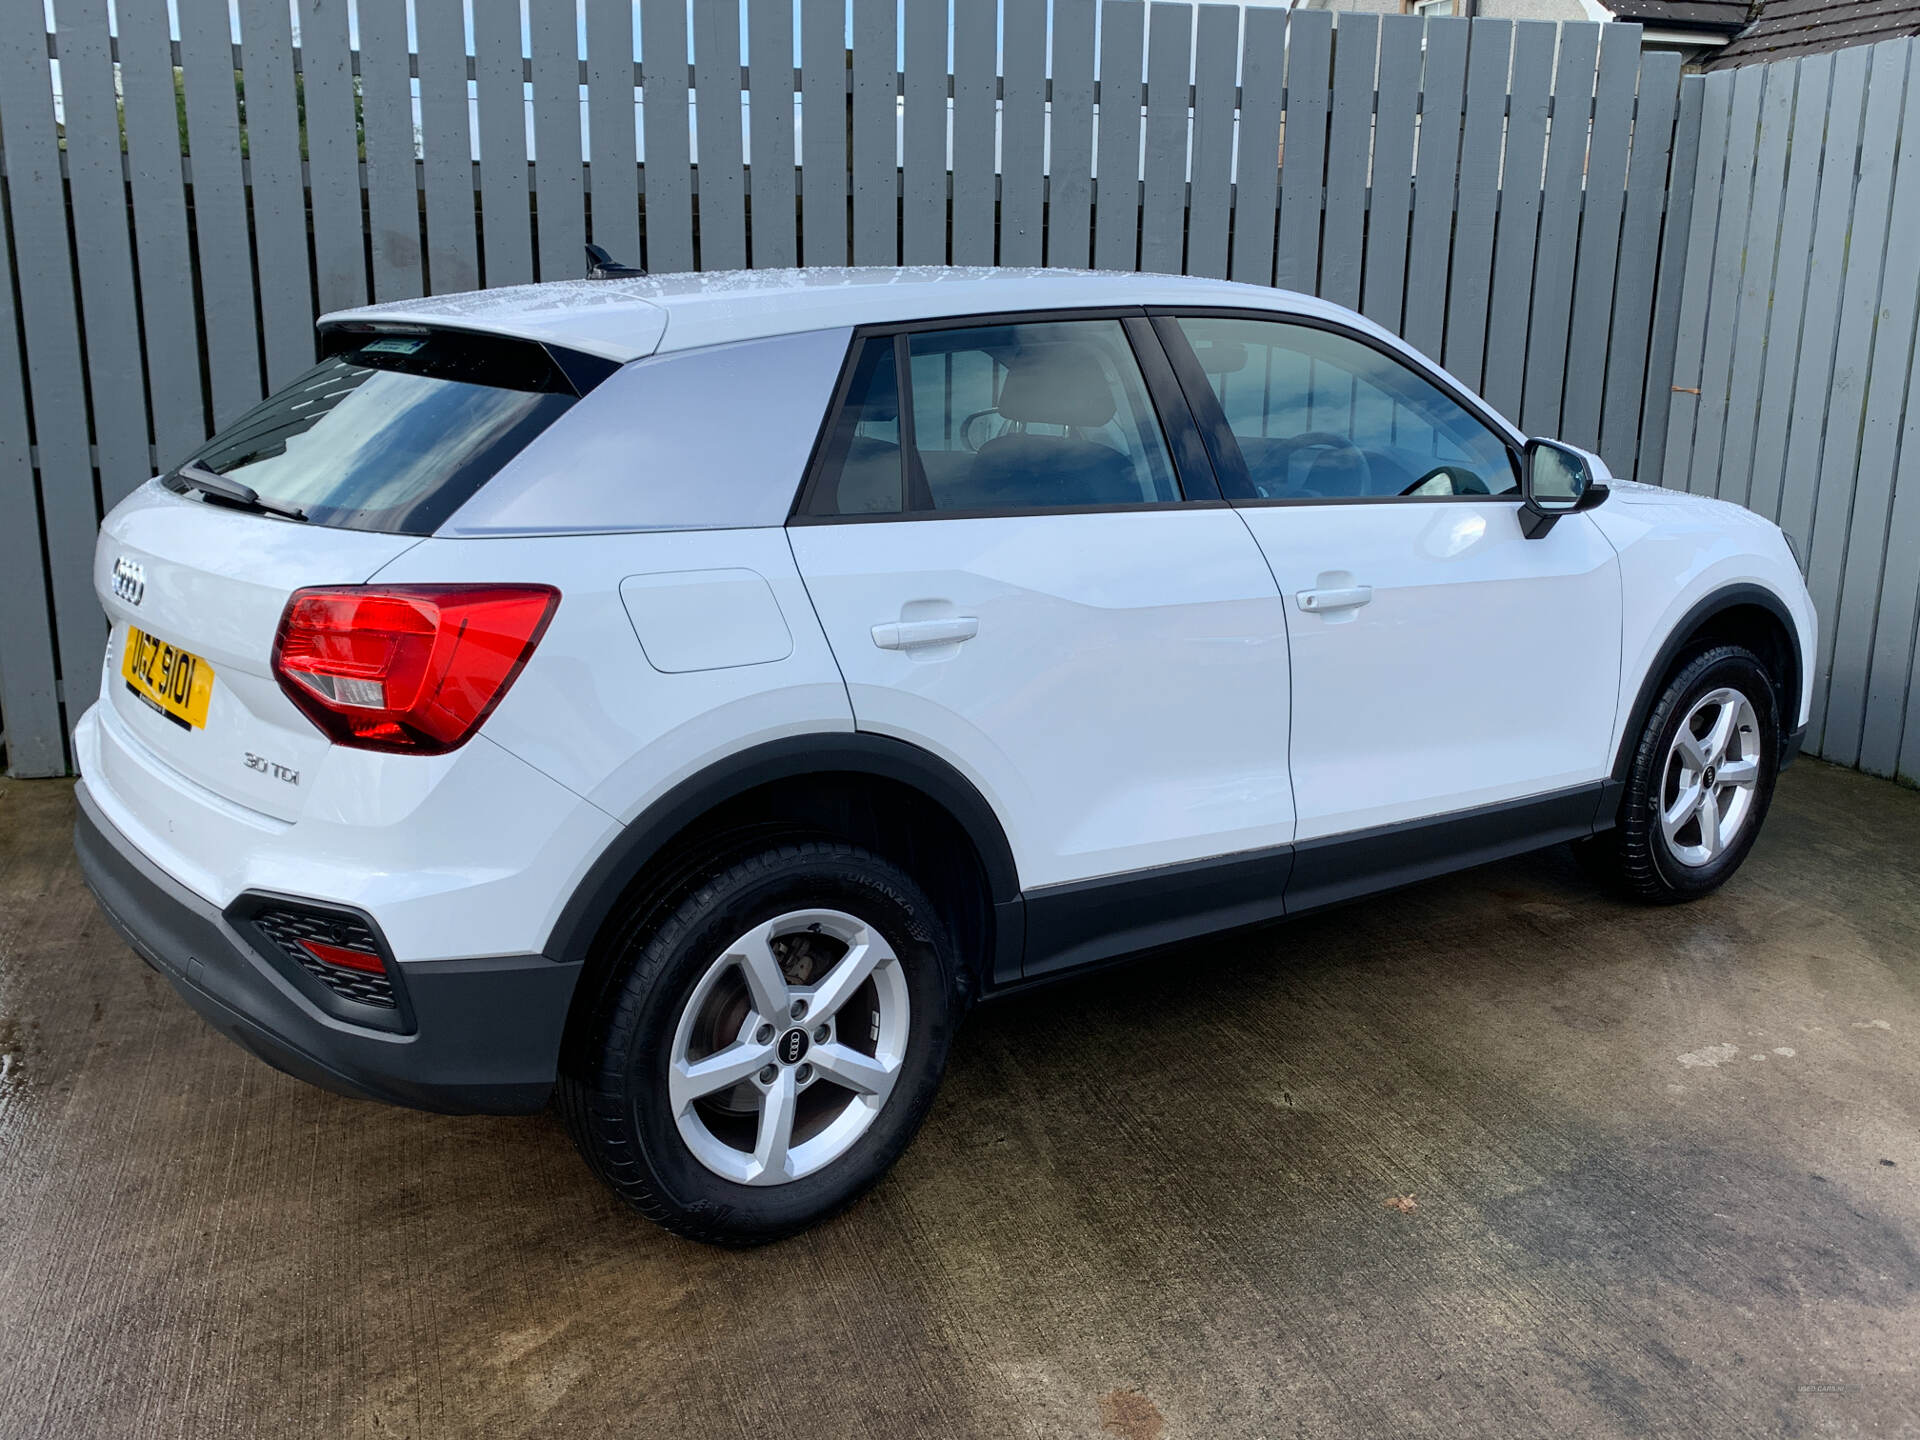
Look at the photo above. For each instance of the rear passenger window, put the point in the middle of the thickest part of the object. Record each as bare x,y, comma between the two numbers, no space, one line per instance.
1038,416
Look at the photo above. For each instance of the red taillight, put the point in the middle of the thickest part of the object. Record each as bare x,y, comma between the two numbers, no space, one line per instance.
410,668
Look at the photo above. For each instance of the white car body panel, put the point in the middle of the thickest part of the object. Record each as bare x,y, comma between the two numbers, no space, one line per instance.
591,712
1483,669
1124,702
1676,550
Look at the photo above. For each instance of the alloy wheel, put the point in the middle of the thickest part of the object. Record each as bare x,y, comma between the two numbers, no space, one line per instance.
789,1046
1711,778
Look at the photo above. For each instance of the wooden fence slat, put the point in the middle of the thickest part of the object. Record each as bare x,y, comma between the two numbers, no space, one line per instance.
876,208
1023,133
923,137
1116,216
1210,202
1349,144
333,154
393,192
973,127
722,185
1690,345
103,247
446,144
50,324
553,30
1755,312
1518,227
1827,268
1639,264
1656,413
613,153
1470,287
1163,213
1383,281
1436,167
1553,256
29,701
1885,384
667,156
160,233
1847,394
1813,81
1256,204
219,208
1598,251
279,189
1731,251
499,70
1890,744
823,132
1303,154
772,228
1070,136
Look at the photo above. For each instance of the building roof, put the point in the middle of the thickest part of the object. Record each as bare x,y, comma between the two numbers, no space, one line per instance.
1725,16
624,319
1788,29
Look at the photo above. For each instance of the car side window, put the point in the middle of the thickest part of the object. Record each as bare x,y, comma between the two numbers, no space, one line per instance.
1034,416
1321,416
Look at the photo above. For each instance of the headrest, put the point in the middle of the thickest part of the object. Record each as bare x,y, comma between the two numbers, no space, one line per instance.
1057,384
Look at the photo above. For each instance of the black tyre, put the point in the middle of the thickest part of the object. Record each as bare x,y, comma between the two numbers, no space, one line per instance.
766,1044
1699,784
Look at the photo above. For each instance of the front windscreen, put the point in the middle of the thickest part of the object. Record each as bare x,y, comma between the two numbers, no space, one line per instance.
393,432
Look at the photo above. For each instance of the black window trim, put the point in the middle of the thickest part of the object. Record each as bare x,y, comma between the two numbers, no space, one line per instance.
1223,446
1193,467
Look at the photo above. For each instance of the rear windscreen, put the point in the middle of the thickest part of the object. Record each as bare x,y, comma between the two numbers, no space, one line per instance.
393,432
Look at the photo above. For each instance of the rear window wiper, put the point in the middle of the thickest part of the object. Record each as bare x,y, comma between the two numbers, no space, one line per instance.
216,486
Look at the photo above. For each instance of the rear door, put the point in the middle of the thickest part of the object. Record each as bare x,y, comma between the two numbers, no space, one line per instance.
1442,661
1015,574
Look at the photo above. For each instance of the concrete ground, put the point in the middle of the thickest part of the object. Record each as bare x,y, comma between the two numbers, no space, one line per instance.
1494,1157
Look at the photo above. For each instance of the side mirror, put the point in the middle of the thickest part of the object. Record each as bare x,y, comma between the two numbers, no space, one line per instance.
1558,480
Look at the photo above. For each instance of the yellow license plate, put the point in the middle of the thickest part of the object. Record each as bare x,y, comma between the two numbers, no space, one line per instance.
176,682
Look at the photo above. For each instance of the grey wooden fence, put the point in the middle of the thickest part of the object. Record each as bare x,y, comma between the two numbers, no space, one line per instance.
1497,192
1795,391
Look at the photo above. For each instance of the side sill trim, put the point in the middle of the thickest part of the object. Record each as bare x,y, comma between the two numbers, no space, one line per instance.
1085,923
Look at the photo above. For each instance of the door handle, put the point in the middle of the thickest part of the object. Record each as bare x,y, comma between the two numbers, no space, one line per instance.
912,634
1347,597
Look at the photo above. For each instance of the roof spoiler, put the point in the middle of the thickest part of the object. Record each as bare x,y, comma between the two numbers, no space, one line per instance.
602,266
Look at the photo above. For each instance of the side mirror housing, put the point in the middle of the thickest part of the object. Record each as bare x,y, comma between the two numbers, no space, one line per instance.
1558,480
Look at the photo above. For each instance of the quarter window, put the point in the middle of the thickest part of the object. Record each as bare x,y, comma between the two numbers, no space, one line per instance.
1321,416
1045,415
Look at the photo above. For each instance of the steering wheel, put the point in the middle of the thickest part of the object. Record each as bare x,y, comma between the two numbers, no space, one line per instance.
1462,480
1326,440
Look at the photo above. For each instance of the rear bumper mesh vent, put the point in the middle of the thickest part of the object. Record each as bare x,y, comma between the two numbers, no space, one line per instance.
287,926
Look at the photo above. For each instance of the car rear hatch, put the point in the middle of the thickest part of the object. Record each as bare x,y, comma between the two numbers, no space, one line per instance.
322,484
211,583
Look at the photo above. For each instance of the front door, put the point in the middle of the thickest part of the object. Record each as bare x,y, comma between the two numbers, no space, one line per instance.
1012,576
1442,662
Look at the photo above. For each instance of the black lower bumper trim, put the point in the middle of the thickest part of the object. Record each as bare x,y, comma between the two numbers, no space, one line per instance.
487,1037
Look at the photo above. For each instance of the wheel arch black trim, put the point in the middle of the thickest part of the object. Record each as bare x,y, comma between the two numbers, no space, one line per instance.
1731,597
837,752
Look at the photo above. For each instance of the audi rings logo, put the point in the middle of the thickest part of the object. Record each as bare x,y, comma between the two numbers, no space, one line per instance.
129,580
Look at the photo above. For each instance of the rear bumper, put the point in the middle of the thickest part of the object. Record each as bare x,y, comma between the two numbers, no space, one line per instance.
487,1031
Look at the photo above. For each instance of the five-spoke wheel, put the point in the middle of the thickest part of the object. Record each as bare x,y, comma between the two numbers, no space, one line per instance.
789,1046
1712,772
